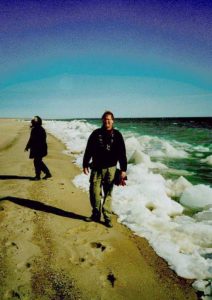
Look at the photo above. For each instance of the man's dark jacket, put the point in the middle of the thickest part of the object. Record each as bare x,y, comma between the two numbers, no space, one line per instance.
37,142
105,148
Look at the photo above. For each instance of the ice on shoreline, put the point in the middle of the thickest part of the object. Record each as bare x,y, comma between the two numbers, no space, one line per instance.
197,197
207,160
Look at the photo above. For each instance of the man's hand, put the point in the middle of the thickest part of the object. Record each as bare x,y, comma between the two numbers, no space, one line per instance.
86,171
123,174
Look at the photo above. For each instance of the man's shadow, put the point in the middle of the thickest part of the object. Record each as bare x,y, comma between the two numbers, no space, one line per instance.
37,205
5,177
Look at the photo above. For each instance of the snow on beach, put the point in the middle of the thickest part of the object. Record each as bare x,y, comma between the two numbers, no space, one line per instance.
145,204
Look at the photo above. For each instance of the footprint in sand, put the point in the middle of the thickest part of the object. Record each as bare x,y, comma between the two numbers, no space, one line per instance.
13,244
85,253
19,292
84,250
108,279
62,185
98,246
111,278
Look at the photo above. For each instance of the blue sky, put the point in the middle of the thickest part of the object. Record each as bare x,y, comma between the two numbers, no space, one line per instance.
66,59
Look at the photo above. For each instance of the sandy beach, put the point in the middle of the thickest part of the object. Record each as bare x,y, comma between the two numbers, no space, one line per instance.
47,249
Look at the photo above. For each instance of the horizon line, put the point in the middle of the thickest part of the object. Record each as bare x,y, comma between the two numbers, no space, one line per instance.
90,118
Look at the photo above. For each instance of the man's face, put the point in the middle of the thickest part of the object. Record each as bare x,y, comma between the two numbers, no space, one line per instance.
108,122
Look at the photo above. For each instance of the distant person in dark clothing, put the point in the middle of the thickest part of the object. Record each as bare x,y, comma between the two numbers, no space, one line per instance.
105,148
38,148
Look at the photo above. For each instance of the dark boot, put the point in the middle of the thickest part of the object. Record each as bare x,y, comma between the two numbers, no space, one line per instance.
48,175
108,223
95,217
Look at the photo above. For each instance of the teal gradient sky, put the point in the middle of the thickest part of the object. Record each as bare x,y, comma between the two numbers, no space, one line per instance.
64,59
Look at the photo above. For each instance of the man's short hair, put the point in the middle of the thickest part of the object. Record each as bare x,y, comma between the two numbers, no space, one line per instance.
107,113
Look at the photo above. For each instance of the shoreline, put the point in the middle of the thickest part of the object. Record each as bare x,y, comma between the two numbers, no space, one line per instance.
50,250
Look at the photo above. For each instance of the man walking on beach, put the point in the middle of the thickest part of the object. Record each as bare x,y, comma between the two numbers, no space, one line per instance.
105,147
38,148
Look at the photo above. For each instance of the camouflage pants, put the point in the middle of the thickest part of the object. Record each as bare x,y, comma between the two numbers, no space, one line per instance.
101,186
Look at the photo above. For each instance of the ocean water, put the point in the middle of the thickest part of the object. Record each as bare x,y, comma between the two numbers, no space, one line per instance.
168,196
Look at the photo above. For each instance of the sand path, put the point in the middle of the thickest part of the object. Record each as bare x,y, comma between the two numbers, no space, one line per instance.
48,251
